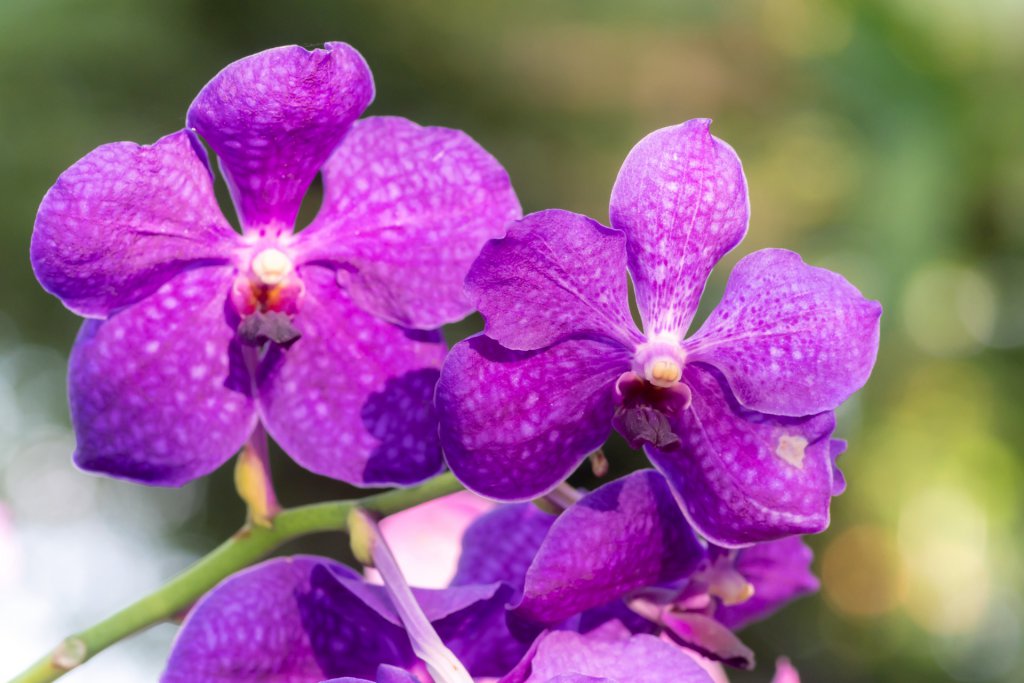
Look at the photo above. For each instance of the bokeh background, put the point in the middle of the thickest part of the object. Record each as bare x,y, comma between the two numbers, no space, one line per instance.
881,138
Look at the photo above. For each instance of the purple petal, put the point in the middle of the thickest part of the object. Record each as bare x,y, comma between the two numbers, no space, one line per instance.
351,635
555,275
681,199
469,619
352,399
500,545
743,476
616,610
125,219
627,534
707,637
406,209
514,424
836,448
780,572
385,674
159,393
478,634
251,627
568,657
273,119
791,339
785,672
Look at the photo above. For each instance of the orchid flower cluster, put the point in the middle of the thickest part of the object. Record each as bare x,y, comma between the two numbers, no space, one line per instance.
201,339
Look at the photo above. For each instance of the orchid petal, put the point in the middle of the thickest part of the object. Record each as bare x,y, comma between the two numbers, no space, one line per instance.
627,534
745,477
707,637
791,339
836,448
785,672
469,619
406,209
385,674
252,626
352,398
124,220
159,392
681,199
606,656
500,545
779,571
514,424
555,275
273,119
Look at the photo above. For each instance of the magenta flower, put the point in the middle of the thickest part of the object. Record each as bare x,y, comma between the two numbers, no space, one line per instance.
737,415
303,619
326,335
625,552
608,654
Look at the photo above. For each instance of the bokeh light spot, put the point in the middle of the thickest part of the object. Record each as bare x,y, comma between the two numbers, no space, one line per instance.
861,572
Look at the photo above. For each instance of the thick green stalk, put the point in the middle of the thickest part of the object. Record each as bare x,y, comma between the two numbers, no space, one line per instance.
247,546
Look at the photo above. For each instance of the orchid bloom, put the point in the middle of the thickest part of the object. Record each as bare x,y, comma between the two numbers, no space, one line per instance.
738,416
302,619
196,333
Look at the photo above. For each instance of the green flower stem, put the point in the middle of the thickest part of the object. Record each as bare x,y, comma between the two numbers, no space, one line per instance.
247,546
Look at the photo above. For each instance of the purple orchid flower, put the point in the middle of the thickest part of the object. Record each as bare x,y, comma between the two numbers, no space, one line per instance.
737,416
608,654
326,336
732,590
628,544
304,618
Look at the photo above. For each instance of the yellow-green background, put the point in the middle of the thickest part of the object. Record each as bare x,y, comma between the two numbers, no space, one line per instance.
882,138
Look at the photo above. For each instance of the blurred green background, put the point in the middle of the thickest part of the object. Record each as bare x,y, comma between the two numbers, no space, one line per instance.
883,138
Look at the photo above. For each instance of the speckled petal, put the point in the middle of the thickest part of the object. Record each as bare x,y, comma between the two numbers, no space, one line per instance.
273,118
350,635
555,275
253,627
159,393
627,534
352,399
125,219
500,545
406,209
681,199
791,339
469,619
780,572
606,656
515,424
743,476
